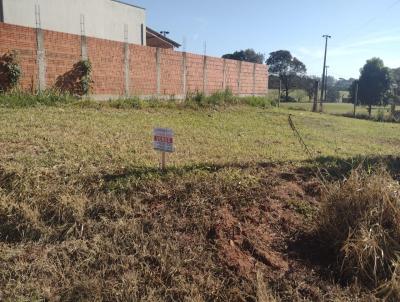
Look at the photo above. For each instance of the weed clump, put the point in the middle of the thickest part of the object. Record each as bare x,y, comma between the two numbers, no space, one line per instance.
226,98
18,98
360,224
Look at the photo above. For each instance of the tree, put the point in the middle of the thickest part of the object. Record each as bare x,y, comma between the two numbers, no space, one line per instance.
332,94
374,83
343,84
307,83
248,55
286,66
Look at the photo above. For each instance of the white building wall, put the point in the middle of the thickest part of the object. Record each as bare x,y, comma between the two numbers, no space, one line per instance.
104,19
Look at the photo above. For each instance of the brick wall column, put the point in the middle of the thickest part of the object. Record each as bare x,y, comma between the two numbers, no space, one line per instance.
239,76
254,79
126,69
184,74
205,80
41,59
158,71
84,49
224,75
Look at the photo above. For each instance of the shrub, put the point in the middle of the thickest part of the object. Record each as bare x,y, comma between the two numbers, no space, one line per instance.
226,98
10,71
360,224
380,116
130,103
198,98
258,101
86,79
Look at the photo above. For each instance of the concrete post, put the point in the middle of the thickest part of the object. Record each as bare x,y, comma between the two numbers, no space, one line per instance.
127,69
224,75
41,59
158,68
184,75
239,76
205,88
84,50
254,79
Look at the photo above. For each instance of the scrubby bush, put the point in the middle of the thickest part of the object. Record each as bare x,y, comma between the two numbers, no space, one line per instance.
129,103
360,224
226,98
258,101
10,71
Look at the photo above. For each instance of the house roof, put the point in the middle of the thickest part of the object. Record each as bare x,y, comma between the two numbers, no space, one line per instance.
152,34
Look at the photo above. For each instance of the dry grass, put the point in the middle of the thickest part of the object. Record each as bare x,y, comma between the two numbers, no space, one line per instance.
131,243
360,222
86,216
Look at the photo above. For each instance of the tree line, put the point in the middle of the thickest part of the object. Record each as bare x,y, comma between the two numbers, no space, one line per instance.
377,84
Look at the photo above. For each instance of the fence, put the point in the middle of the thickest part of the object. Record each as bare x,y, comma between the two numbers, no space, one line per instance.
48,58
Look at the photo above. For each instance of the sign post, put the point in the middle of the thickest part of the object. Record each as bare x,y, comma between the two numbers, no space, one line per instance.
163,140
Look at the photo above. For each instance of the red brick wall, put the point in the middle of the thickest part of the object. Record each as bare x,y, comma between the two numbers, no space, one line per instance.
62,52
107,57
22,39
143,70
232,73
194,67
246,78
261,79
215,74
171,72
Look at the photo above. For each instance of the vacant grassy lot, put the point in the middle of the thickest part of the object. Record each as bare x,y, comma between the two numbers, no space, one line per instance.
86,216
47,137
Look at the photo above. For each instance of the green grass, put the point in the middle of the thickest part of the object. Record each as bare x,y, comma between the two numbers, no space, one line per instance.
337,108
18,98
45,137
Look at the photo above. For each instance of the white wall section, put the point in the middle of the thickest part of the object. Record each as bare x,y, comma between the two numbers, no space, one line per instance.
103,19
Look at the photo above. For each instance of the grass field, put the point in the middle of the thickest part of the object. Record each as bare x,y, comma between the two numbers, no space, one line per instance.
85,215
337,108
45,137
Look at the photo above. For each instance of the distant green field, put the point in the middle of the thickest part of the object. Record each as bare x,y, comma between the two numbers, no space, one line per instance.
335,108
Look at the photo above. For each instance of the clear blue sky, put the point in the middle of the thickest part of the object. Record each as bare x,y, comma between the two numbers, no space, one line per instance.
361,29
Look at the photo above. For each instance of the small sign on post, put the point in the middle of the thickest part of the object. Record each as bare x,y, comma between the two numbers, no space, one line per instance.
163,140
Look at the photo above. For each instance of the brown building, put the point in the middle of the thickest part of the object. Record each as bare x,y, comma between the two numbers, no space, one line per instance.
155,39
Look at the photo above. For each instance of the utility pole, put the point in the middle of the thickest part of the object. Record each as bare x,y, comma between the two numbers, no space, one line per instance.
315,103
326,83
323,70
355,99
